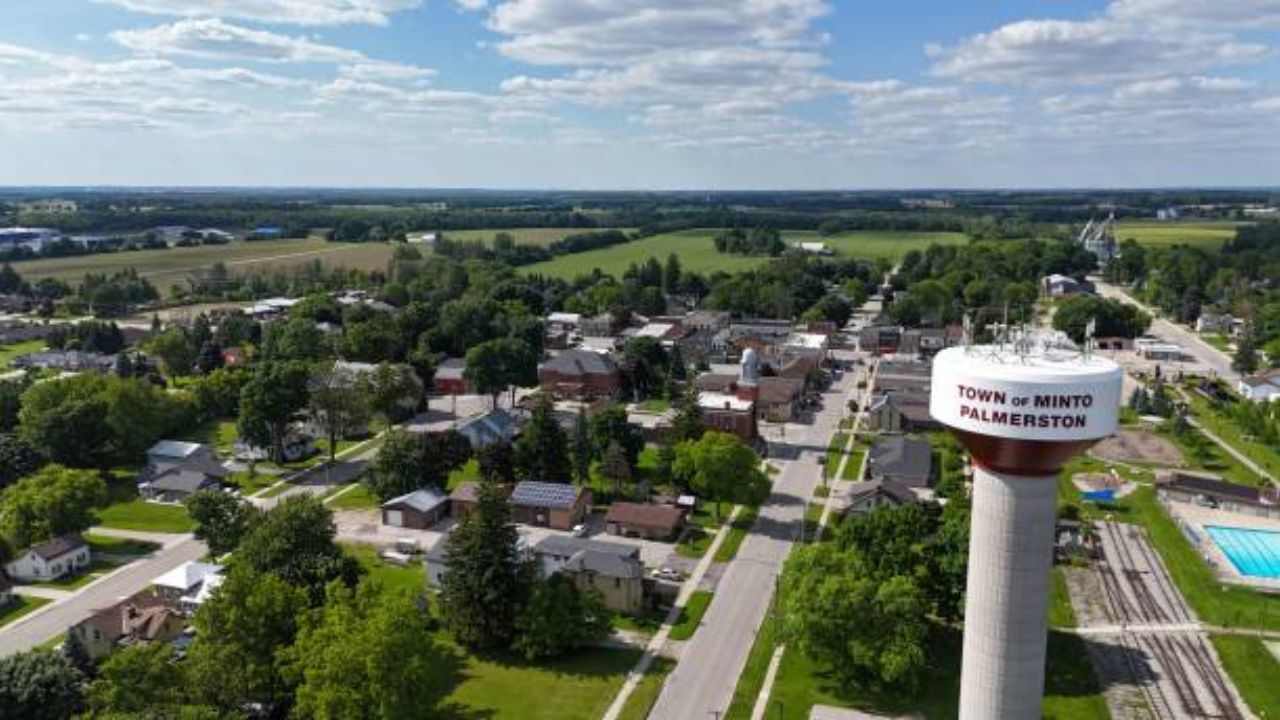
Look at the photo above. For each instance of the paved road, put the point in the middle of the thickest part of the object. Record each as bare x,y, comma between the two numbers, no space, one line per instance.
55,618
704,681
1208,355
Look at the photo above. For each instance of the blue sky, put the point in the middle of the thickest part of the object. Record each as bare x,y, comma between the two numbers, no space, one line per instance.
623,94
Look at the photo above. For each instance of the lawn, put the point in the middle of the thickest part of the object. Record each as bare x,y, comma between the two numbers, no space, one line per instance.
646,624
831,463
409,577
467,473
1226,428
357,498
697,251
1071,692
1205,454
691,615
119,546
578,687
219,432
654,405
1207,235
1061,614
250,484
853,467
140,515
1218,341
646,693
170,268
21,605
97,568
1254,671
9,352
737,533
694,542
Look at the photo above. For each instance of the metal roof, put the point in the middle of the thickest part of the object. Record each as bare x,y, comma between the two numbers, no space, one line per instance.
558,496
424,500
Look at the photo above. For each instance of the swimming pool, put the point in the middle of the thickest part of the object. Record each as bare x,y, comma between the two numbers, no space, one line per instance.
1255,553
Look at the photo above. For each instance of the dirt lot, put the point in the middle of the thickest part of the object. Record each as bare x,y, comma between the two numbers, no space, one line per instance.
1141,446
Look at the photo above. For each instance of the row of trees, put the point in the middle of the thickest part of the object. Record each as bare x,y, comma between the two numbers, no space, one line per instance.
1113,318
757,241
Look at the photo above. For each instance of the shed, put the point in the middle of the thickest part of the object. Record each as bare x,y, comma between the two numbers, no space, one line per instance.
419,509
555,505
646,520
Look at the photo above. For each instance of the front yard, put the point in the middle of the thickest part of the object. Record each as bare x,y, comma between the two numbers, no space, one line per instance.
691,615
138,514
21,605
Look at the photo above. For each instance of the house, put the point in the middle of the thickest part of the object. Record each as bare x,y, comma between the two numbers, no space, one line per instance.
192,602
580,375
660,331
729,413
564,321
602,325
555,505
900,411
713,320
612,569
495,426
807,343
644,520
779,398
50,559
1113,343
418,510
177,470
1263,387
879,339
143,618
814,248
864,497
185,580
1057,285
296,445
436,561
66,361
925,342
901,459
450,377
463,499
1214,323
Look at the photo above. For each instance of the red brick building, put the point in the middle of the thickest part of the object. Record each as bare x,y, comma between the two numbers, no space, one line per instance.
580,375
449,378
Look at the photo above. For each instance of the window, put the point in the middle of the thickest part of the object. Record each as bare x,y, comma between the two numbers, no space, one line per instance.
617,583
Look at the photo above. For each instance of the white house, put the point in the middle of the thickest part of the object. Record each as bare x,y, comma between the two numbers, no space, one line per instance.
1264,386
49,560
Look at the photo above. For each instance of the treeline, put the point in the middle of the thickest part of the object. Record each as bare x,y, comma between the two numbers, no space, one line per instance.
757,241
506,250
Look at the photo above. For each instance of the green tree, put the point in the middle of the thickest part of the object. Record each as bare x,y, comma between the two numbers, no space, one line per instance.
1245,361
496,365
671,274
144,681
487,583
611,426
63,419
410,461
368,654
51,502
338,403
497,463
295,542
666,462
175,350
222,520
615,468
296,339
17,459
240,632
394,392
867,632
1114,318
720,467
374,338
560,618
688,424
39,685
542,450
217,395
10,404
270,402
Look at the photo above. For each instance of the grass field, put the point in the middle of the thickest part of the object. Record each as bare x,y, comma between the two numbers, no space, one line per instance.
646,693
140,515
169,268
697,251
1208,235
21,605
9,352
1254,671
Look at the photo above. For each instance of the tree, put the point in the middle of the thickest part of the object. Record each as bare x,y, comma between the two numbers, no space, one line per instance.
295,339
367,654
295,542
614,466
487,583
720,467
17,459
222,520
496,365
497,463
52,502
611,426
270,402
39,685
1245,360
583,450
10,404
666,462
671,274
560,618
144,680
374,338
688,424
866,631
410,461
542,450
209,358
174,349
394,392
240,632
338,403
62,419
1114,318
217,394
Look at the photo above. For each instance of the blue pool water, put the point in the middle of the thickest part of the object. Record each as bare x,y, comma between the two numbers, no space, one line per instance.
1255,553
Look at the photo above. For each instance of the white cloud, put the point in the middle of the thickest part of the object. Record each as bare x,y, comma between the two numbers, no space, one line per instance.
472,5
83,37
215,39
1236,14
293,12
390,71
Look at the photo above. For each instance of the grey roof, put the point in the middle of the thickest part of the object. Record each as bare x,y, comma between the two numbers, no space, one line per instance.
181,479
899,493
907,460
567,546
606,564
451,368
175,449
581,362
57,547
491,427
424,500
557,496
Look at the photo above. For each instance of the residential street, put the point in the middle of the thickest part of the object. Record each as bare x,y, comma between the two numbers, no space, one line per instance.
55,618
1187,339
704,681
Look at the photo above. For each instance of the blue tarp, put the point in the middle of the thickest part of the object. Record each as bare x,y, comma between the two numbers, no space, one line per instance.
1100,496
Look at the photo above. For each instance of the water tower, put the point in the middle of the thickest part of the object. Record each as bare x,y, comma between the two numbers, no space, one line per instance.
1022,410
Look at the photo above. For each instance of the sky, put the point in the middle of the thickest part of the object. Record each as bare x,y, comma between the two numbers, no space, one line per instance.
641,94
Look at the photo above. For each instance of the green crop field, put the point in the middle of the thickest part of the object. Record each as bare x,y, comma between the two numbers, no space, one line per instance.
167,268
1208,235
697,251
523,236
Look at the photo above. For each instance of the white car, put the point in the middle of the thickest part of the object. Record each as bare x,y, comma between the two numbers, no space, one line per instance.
579,531
667,573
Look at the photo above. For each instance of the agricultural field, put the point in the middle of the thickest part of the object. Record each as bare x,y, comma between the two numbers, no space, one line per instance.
169,268
523,236
1208,235
697,251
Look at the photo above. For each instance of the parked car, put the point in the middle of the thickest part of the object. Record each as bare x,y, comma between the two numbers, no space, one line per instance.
667,573
579,530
